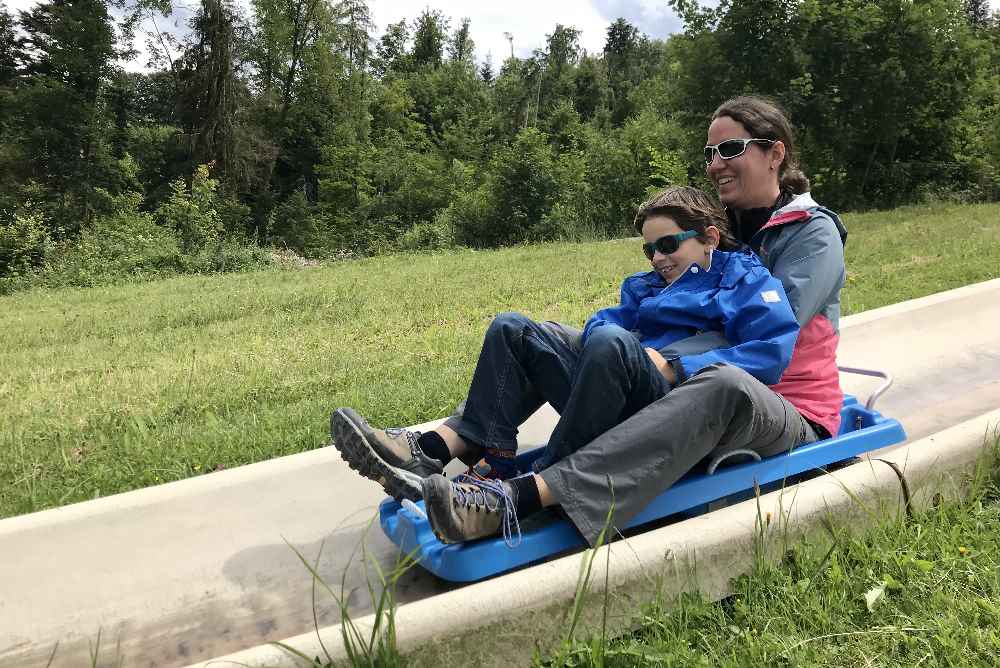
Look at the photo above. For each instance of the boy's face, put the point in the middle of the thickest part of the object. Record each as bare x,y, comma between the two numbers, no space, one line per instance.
689,251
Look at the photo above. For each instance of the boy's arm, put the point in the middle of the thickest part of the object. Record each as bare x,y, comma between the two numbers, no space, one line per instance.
761,327
625,315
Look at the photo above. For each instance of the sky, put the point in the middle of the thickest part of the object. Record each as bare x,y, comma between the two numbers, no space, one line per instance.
528,21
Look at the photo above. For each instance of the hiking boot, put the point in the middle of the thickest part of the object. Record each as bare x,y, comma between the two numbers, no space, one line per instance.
390,457
469,508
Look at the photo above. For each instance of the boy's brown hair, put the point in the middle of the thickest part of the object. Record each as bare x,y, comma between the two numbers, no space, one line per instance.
691,209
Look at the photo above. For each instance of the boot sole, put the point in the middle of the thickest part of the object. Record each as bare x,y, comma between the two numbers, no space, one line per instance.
355,449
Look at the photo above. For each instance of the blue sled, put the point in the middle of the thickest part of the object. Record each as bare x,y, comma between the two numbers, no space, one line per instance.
862,430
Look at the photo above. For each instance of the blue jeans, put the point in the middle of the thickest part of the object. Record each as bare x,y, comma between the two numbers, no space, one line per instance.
525,363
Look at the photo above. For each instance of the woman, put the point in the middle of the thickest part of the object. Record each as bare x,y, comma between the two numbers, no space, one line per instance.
615,373
750,159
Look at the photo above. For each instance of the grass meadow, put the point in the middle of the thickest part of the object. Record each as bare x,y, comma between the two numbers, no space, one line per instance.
914,591
110,389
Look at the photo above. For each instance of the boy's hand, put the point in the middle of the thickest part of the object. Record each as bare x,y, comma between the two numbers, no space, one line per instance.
664,367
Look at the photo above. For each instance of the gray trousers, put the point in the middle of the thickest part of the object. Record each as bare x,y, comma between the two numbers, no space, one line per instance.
720,409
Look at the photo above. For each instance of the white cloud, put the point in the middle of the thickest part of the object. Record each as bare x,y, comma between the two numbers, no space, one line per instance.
13,5
528,21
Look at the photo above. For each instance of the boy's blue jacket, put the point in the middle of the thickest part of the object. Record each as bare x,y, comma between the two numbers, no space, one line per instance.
737,296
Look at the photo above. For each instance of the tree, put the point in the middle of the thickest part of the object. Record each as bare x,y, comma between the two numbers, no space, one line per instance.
486,70
285,31
11,49
73,43
563,48
70,47
210,87
390,51
353,35
620,53
978,12
430,32
461,48
591,92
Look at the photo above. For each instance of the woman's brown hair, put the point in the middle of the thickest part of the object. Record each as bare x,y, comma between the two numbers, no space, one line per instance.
691,209
764,119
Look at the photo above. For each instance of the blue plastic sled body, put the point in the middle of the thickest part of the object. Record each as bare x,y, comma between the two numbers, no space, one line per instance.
862,430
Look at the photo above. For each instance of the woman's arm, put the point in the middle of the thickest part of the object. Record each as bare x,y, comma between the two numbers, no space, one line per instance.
811,267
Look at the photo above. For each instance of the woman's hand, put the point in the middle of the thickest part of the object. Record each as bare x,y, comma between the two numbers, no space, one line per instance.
662,365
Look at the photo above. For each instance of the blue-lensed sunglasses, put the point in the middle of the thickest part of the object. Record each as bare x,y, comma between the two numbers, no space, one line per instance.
667,244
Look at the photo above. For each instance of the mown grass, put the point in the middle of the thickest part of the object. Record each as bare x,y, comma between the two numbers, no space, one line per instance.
115,388
923,590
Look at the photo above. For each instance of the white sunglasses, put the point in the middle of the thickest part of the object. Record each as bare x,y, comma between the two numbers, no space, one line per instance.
731,148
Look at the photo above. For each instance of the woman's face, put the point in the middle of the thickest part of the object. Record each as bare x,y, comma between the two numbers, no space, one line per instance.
749,180
690,251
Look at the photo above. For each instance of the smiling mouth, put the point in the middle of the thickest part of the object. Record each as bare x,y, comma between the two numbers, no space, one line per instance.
666,269
725,180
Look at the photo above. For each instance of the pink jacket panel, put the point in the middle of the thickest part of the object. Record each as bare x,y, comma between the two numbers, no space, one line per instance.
811,381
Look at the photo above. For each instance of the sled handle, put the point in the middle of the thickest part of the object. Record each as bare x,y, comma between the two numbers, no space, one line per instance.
714,464
873,373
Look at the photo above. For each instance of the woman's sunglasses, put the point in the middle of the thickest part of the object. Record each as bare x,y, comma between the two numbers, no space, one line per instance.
667,244
731,148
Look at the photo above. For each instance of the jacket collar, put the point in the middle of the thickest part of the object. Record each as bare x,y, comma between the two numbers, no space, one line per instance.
719,261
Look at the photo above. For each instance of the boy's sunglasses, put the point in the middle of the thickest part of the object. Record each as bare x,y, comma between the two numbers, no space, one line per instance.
731,148
667,244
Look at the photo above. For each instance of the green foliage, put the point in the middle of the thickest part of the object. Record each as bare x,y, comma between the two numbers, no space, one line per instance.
328,139
430,32
877,89
436,235
295,224
523,184
624,164
24,244
193,213
124,243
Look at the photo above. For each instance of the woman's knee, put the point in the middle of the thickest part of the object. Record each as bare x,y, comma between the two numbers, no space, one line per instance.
724,378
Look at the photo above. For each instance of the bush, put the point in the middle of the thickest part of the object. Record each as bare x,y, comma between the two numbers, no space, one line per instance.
295,224
565,223
470,216
193,213
524,182
228,256
24,244
122,243
624,165
429,236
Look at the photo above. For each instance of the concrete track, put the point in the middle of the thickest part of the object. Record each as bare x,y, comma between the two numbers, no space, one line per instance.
199,568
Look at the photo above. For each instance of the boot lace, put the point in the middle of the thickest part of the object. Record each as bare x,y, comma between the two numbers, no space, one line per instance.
411,438
492,496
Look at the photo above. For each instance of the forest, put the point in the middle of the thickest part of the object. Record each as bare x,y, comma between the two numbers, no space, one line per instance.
291,128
